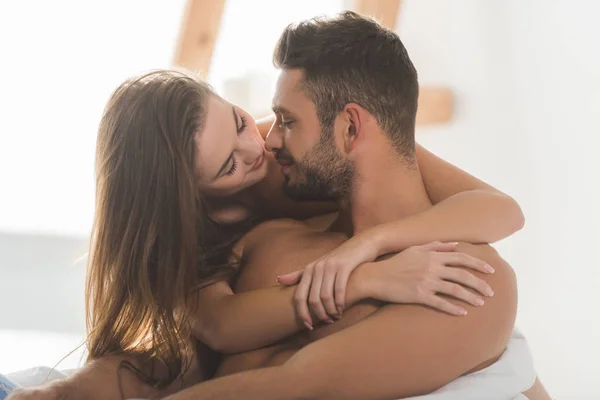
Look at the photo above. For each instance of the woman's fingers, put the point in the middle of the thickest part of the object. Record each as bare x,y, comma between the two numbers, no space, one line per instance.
290,279
314,298
301,297
467,279
465,260
341,282
327,291
458,292
442,304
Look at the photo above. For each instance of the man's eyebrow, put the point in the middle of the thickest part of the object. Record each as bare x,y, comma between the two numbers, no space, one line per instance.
280,110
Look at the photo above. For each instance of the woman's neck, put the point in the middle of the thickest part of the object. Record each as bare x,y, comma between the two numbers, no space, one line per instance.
238,207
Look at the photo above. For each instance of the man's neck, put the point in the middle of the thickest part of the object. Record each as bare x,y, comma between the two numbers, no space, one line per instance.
385,189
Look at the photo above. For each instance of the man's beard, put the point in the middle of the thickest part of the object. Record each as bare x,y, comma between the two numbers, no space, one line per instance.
322,174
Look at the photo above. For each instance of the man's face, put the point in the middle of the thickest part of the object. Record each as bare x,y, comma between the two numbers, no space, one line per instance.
313,167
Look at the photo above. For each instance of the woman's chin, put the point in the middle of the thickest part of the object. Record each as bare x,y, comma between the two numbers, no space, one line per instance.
252,179
260,173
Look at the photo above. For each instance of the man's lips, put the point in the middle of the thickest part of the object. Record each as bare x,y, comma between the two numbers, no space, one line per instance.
285,165
283,160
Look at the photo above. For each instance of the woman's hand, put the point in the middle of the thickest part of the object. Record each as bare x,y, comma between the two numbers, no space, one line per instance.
418,274
327,277
415,275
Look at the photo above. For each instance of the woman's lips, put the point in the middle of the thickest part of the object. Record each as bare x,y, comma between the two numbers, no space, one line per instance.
259,161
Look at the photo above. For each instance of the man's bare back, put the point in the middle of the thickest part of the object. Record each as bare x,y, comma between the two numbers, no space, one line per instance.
283,246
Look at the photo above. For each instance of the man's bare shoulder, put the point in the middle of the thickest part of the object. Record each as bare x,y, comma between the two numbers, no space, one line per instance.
502,306
504,278
486,253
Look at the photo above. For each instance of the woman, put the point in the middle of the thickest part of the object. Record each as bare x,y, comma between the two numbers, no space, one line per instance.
181,176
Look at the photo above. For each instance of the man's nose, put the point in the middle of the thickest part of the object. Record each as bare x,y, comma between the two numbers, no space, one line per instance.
274,140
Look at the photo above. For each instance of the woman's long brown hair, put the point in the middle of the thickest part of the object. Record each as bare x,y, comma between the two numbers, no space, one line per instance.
149,244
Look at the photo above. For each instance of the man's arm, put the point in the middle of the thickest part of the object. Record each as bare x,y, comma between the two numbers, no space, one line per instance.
102,379
400,351
106,379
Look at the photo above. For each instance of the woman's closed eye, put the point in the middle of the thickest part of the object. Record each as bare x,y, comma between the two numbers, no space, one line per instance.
243,125
233,167
240,127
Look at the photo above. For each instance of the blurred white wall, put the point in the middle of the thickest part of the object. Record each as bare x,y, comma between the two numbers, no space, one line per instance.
527,84
527,79
59,62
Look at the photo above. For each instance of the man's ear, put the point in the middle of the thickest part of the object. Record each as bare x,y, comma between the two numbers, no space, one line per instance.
355,117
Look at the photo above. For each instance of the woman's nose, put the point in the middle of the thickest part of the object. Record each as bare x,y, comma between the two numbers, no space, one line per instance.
251,150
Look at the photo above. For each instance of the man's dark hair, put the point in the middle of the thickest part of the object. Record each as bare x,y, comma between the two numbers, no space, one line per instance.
353,59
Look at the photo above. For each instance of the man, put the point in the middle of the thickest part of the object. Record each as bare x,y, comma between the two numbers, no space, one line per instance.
338,135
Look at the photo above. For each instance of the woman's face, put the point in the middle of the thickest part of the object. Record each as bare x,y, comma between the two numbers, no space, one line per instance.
230,153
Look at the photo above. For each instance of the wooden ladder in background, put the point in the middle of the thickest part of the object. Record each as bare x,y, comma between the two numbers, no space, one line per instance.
200,27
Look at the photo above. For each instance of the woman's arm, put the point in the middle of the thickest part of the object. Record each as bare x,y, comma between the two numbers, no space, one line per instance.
232,323
479,212
465,209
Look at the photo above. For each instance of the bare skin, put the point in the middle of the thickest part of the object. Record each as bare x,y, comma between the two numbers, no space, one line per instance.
402,350
462,344
292,242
